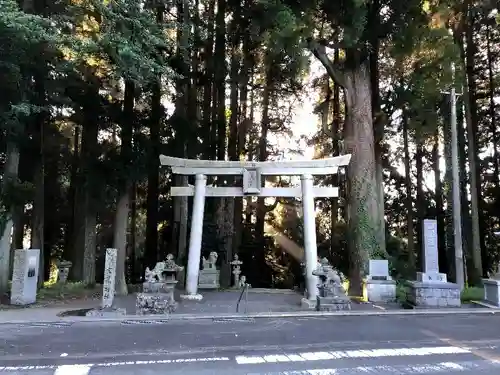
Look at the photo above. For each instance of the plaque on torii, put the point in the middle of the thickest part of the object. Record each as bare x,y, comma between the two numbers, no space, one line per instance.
251,181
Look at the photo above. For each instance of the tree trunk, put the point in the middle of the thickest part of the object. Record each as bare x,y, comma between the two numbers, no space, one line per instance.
73,182
447,190
471,276
120,242
186,122
131,254
208,82
377,115
220,78
90,243
363,207
478,230
334,214
85,238
37,228
39,124
9,177
492,106
151,250
232,146
420,204
20,217
121,224
438,194
263,154
409,197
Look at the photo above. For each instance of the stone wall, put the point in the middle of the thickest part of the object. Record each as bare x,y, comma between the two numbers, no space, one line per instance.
434,294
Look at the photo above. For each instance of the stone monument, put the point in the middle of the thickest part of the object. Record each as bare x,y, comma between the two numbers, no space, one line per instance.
492,288
431,288
331,294
236,263
380,287
209,275
63,268
108,284
108,288
157,295
25,277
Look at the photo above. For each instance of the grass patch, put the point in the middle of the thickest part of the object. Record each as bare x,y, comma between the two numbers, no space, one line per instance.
68,291
402,295
472,294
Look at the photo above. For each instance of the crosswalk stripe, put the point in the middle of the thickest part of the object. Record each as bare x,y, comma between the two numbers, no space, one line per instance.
369,353
435,368
73,370
79,369
85,369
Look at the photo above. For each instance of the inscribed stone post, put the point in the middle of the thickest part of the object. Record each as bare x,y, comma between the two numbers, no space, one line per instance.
379,268
431,262
108,285
431,288
379,285
25,276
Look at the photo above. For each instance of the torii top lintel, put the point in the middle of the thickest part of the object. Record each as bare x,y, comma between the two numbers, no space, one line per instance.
276,168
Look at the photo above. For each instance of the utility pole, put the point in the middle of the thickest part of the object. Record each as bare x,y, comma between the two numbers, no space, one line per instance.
457,217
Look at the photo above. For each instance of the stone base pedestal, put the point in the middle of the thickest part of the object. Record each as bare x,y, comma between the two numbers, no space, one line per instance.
158,287
434,294
492,291
108,312
155,303
431,277
381,290
192,297
209,279
327,304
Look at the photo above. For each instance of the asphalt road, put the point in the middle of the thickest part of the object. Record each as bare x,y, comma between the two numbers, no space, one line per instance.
403,345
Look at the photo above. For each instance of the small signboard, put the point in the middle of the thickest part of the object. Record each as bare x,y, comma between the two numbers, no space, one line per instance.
251,181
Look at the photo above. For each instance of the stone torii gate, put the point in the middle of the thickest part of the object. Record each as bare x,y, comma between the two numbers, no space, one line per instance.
252,173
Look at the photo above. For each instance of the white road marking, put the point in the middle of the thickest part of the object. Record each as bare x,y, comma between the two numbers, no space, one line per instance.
73,370
317,356
83,369
21,368
443,367
371,353
295,358
453,366
276,358
242,360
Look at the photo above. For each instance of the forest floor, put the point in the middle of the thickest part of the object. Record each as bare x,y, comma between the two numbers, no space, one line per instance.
56,295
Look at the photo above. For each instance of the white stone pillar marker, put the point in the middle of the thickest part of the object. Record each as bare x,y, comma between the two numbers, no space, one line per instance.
108,285
310,247
193,267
